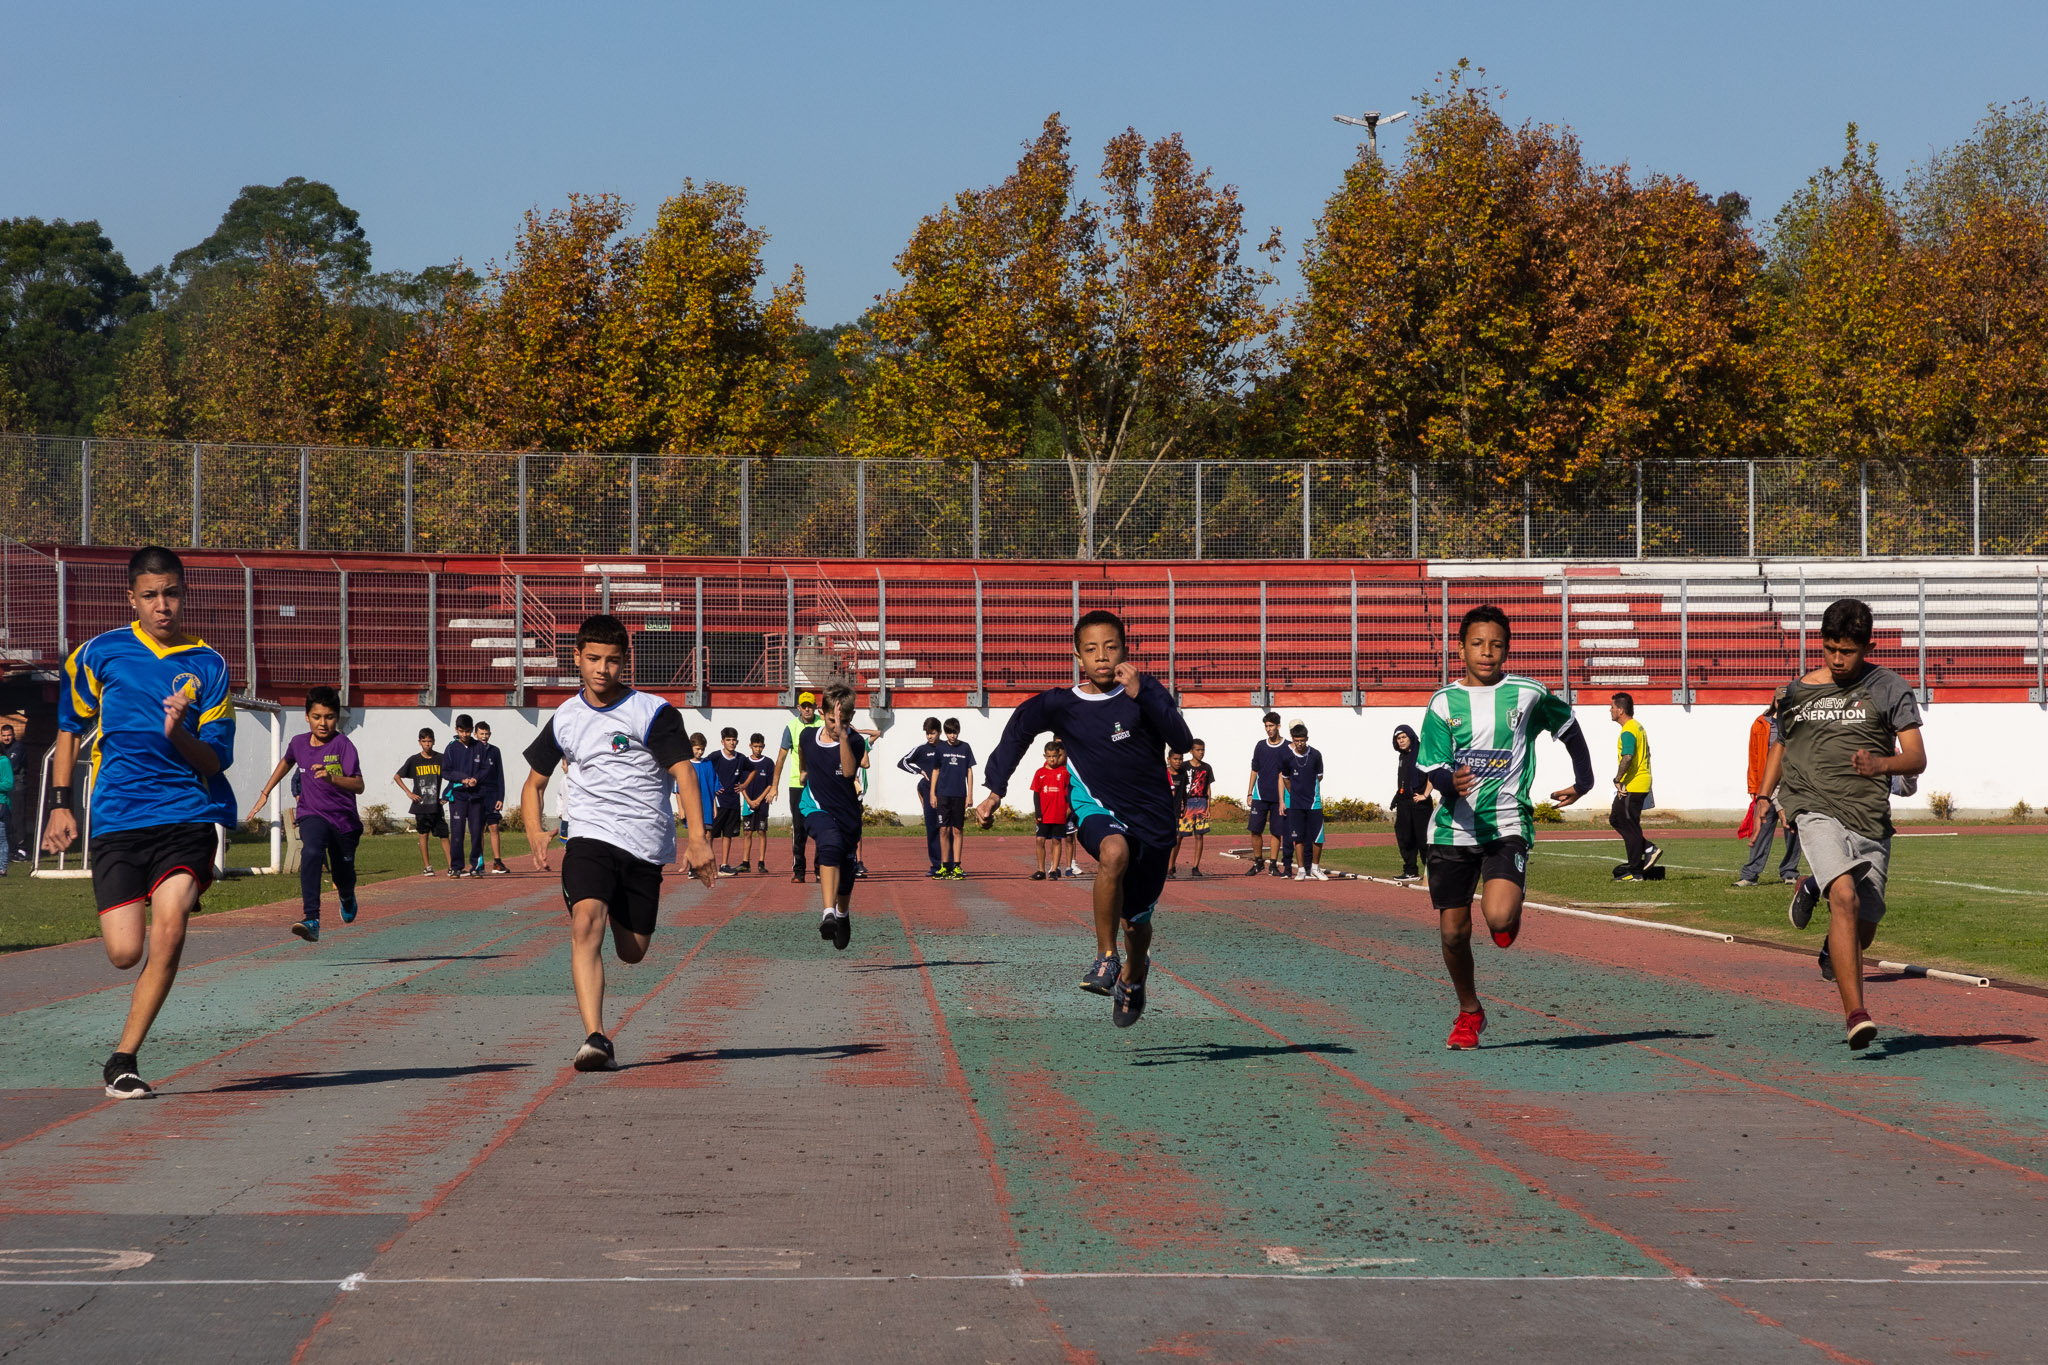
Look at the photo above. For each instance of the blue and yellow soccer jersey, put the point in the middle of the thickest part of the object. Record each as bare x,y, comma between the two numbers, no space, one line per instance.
121,679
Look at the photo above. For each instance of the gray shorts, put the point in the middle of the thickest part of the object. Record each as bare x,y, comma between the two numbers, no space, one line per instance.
1834,850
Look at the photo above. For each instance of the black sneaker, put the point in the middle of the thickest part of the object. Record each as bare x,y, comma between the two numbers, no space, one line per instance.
1038,876
498,868
825,926
1651,853
1285,870
1173,874
1258,866
1804,897
842,931
596,1054
1196,872
1100,979
727,870
860,872
122,1082
1827,965
1127,1004
761,868
797,877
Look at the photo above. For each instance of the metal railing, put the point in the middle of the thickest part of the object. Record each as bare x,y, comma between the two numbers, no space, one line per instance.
341,499
1338,633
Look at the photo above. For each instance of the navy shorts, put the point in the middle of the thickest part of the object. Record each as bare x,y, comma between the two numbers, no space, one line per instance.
1261,810
1457,871
837,846
1144,875
1306,825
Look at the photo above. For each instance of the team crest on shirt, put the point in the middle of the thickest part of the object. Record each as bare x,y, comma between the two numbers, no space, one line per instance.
1515,716
188,684
1118,732
620,744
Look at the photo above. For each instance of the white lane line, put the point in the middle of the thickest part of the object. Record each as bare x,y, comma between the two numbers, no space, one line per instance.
1894,878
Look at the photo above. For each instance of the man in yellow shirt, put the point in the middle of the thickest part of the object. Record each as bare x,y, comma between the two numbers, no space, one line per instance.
1631,789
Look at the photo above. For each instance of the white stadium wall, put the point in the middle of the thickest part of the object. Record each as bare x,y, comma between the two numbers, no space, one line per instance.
1986,755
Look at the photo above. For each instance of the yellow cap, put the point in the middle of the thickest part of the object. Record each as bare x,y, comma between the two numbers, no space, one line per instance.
803,697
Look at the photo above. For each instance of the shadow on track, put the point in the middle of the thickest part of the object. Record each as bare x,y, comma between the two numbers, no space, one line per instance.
429,957
1235,1052
830,1052
940,962
1907,1044
321,1080
1578,1041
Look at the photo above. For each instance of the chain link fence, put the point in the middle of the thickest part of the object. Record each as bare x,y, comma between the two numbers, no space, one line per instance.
69,491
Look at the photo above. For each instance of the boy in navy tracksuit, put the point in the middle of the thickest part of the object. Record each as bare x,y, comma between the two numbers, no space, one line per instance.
462,769
919,763
492,785
1117,725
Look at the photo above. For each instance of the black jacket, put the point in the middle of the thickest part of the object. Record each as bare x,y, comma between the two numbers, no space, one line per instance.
1409,783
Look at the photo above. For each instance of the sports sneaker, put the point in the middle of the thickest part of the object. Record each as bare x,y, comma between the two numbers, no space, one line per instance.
1505,938
1861,1030
426,872
796,877
1073,869
455,874
122,1082
935,874
1100,979
498,868
958,874
1053,875
860,872
825,926
1651,853
1318,873
842,931
348,909
727,870
1127,1003
1301,874
308,929
1466,1030
1040,876
596,1054
1258,866
1626,877
1826,964
760,867
1282,869
1804,897
1745,881
1173,874
1196,872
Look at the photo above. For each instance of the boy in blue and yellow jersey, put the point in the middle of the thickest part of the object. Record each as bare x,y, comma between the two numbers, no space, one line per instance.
1117,726
160,791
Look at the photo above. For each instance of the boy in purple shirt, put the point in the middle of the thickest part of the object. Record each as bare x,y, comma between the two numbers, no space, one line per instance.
329,828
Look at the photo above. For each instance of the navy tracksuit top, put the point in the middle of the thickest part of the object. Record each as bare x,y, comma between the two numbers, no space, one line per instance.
1116,753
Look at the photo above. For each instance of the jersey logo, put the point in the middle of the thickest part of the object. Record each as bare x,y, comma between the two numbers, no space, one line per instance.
1487,764
1118,733
1514,722
620,744
186,683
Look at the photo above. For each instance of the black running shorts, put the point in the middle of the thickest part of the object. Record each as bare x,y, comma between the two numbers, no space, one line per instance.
1261,812
493,816
1052,829
1456,871
725,823
837,846
952,811
630,889
1144,875
129,865
755,819
431,820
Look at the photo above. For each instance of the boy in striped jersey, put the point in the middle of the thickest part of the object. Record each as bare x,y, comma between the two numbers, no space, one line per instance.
1476,750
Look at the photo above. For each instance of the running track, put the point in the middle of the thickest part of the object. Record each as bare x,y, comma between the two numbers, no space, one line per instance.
932,1147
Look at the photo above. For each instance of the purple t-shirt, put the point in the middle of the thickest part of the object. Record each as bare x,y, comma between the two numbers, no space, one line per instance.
318,796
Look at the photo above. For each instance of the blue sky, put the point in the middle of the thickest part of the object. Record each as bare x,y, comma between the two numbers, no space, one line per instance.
442,123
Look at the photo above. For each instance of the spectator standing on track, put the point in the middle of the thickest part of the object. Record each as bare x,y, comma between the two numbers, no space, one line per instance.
1262,798
1197,780
1303,771
832,757
952,791
424,772
1177,784
790,754
1411,804
494,800
461,766
1847,729
1477,737
167,736
1631,789
1050,808
919,763
707,777
757,794
331,777
630,775
1763,737
7,746
730,767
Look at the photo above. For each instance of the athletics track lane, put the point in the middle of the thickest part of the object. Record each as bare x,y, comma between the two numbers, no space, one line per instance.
797,1130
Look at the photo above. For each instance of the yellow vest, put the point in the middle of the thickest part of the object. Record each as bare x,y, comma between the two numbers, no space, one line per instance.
1637,778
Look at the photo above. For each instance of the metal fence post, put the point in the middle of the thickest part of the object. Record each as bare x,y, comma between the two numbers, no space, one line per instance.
1639,510
633,506
1683,694
1863,509
1564,633
1265,697
1528,543
979,696
789,623
974,511
878,700
195,495
1976,508
747,529
1444,652
1925,697
343,647
305,498
1172,638
604,593
700,663
522,504
408,501
1752,507
2040,636
1088,529
1307,546
1076,586
517,697
1414,512
431,694
63,616
84,497
1356,696
860,509
1198,509
1802,620
249,629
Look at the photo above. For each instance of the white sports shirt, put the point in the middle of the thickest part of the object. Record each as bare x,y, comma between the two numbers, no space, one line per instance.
618,778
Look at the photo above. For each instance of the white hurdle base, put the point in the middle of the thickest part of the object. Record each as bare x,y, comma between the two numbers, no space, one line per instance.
1935,974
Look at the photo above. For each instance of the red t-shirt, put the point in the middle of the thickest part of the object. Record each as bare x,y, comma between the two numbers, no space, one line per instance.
1049,785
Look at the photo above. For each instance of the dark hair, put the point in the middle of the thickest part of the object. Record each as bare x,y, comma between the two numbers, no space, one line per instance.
931,723
323,696
1485,612
1203,743
697,739
1052,744
482,727
154,559
729,733
1298,731
1175,753
952,725
1846,619
1625,702
465,722
757,738
426,732
835,698
1270,718
603,630
1099,617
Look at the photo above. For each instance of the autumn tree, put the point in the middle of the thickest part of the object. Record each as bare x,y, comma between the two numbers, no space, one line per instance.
1500,302
1117,331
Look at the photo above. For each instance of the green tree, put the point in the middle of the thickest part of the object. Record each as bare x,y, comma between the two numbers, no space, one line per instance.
303,219
64,292
2004,161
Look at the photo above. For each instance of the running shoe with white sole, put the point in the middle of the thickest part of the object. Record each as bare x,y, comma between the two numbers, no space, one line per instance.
1301,874
1258,866
1466,1030
1100,979
1127,1003
1804,897
308,929
122,1081
1318,873
596,1054
1651,853
1827,965
1861,1030
842,931
348,909
1744,882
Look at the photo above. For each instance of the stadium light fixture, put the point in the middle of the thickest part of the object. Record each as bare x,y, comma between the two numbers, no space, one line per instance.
1371,120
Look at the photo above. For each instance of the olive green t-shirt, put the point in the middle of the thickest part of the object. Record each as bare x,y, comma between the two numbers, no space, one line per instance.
1823,725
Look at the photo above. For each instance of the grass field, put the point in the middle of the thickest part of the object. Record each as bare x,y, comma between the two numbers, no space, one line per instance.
1956,900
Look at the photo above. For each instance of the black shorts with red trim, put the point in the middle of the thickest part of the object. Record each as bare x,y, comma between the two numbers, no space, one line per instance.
1458,871
129,865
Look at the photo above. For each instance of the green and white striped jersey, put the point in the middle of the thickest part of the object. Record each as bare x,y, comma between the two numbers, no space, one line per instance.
1489,730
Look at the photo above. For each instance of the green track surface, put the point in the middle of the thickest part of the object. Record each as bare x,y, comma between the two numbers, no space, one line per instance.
1967,901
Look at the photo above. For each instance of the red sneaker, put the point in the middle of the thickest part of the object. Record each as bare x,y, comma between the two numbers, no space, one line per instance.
1861,1030
1465,1033
1505,938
